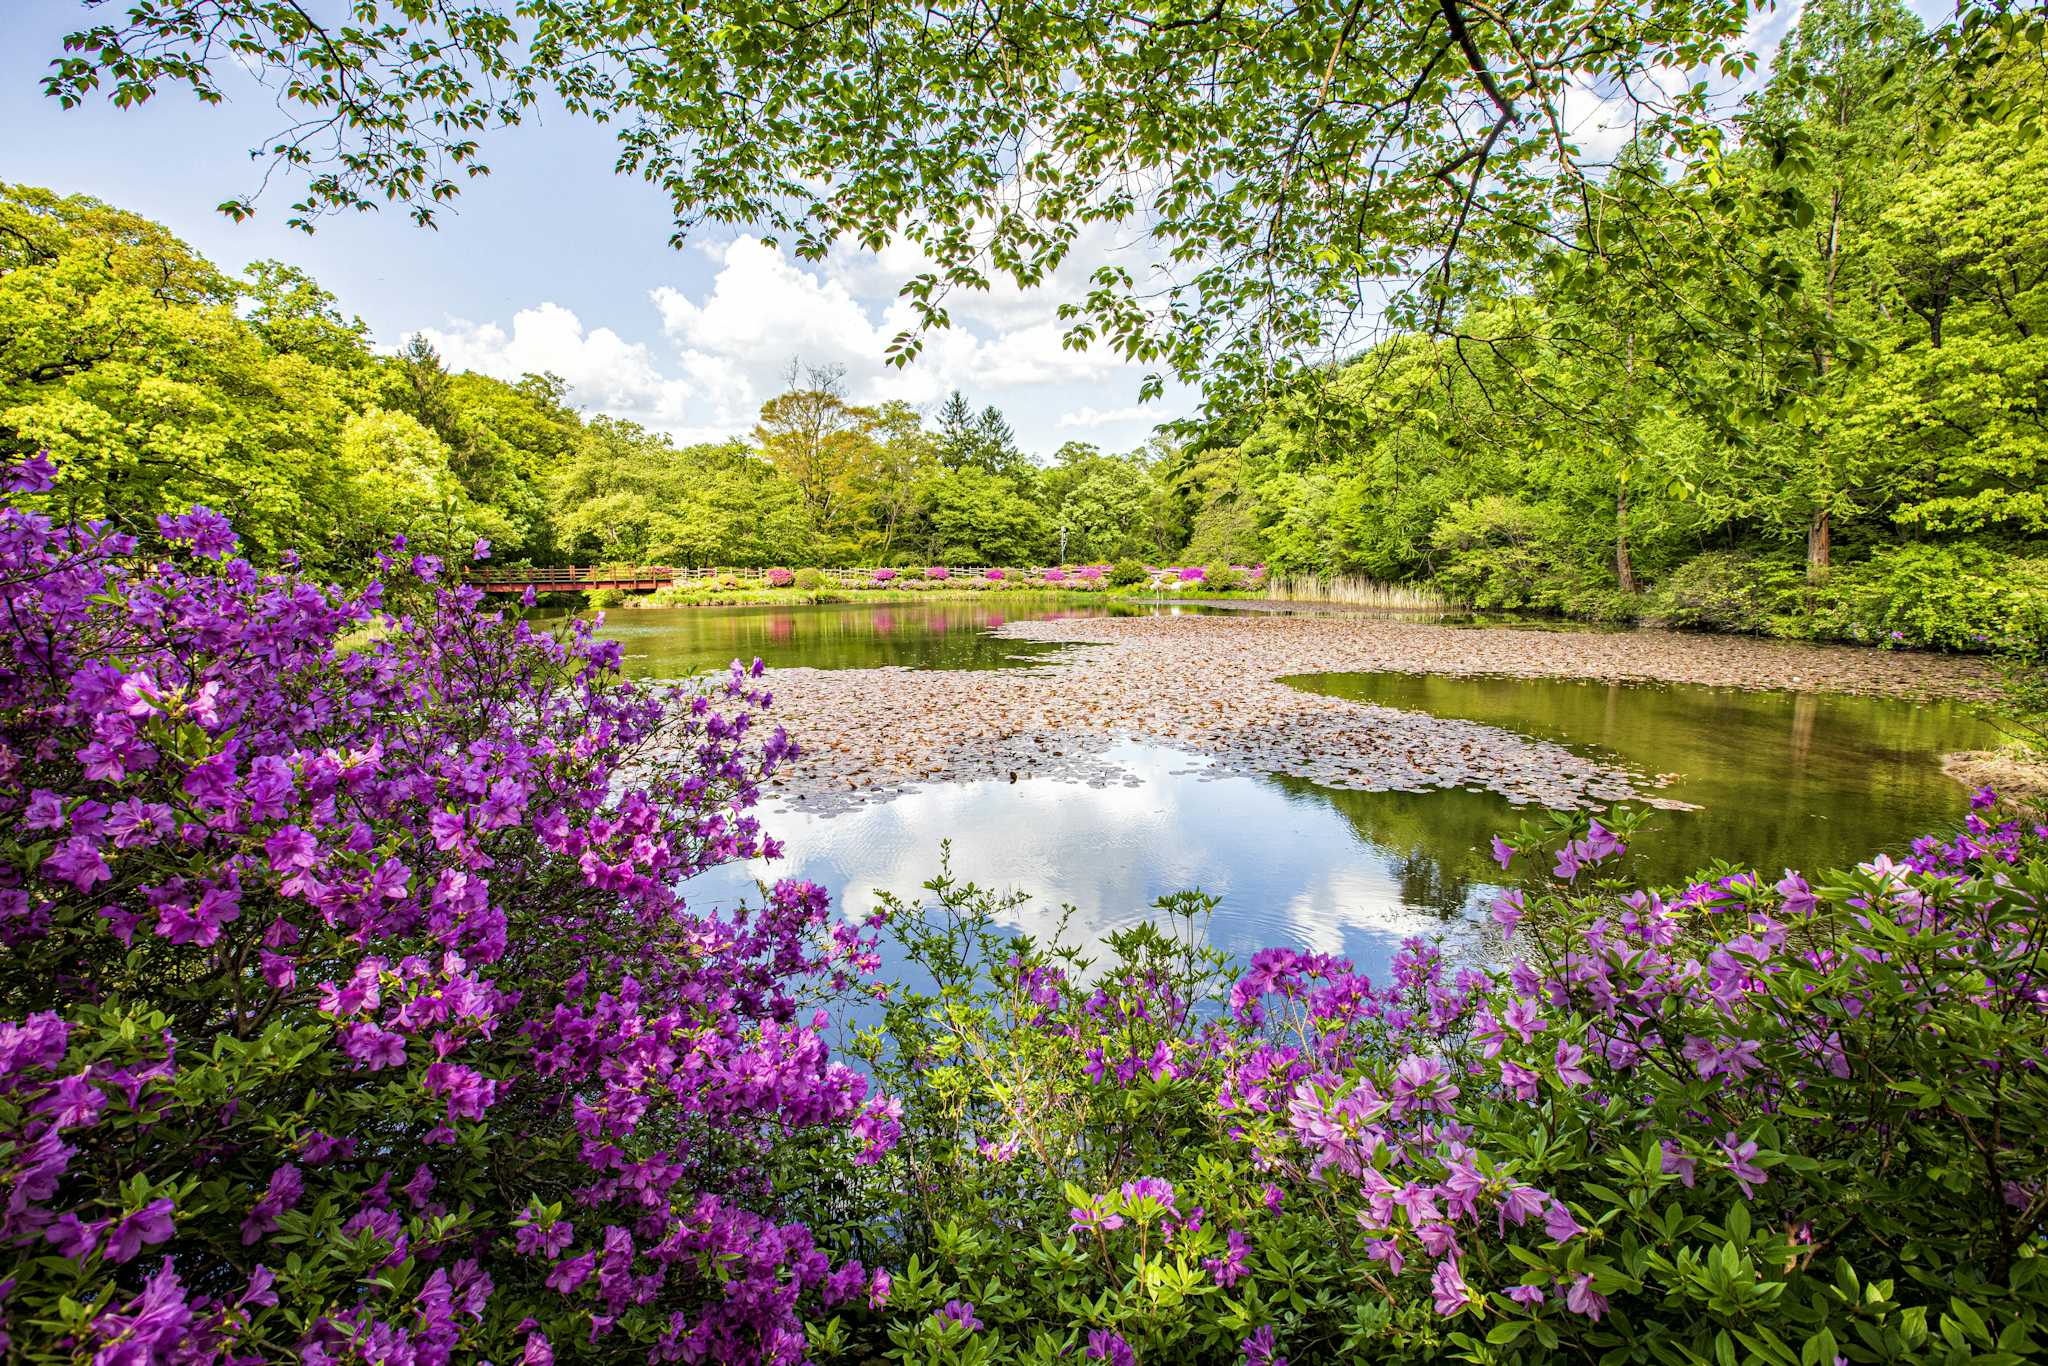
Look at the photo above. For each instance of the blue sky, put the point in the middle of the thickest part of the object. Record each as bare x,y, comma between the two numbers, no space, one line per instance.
554,263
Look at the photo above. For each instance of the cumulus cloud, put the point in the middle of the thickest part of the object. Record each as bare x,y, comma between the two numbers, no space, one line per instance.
723,350
1108,417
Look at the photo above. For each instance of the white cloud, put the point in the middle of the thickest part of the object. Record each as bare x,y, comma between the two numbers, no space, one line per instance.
604,370
1104,417
725,349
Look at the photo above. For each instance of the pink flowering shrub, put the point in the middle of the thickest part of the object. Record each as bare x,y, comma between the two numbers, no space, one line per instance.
353,1011
884,575
779,578
1802,1118
1191,573
992,574
1055,576
1090,572
938,572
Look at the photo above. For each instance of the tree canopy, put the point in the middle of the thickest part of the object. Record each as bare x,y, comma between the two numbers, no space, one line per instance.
1301,172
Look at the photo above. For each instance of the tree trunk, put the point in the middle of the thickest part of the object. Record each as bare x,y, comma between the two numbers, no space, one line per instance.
1624,571
1819,538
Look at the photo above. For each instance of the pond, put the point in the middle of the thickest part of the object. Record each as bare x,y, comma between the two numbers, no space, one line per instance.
1777,779
948,633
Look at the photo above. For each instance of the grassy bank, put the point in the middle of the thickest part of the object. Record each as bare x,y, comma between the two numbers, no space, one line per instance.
742,595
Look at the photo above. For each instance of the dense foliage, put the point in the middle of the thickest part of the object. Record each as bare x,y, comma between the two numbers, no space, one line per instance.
352,1010
991,136
1811,356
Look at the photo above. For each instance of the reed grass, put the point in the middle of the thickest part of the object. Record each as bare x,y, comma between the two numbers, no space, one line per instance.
1354,590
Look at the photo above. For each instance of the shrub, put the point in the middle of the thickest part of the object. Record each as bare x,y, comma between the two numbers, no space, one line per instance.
884,575
1221,577
353,1011
1497,552
1125,573
938,572
1799,1114
1091,573
1055,576
809,580
1954,597
780,578
603,598
992,574
1193,573
1731,590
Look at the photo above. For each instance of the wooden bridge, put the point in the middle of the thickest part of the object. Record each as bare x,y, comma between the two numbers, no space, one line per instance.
581,578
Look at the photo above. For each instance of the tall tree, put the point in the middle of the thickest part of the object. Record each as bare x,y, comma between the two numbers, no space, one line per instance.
821,443
957,441
1834,125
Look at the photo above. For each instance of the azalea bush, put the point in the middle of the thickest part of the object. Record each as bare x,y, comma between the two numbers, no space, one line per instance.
1757,1118
1129,573
350,1008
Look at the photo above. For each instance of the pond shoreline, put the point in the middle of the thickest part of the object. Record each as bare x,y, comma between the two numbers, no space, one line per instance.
1212,686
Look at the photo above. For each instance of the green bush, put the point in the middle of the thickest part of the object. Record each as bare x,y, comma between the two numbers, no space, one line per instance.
1219,577
1496,552
809,579
600,598
1732,590
1125,573
1955,597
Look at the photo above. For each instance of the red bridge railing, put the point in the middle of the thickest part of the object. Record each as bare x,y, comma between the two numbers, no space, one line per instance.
577,578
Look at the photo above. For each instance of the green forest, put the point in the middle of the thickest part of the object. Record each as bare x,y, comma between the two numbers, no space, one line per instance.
1792,384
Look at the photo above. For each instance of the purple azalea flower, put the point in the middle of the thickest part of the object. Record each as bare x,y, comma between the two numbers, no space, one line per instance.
1104,1345
960,1312
34,475
1228,1269
1260,1348
1581,1298
1741,1164
1569,1059
1447,1286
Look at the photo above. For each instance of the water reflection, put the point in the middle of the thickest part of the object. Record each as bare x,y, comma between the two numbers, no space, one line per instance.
1290,866
1782,779
952,633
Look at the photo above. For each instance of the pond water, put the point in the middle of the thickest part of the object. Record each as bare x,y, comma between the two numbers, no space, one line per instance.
1778,778
950,633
